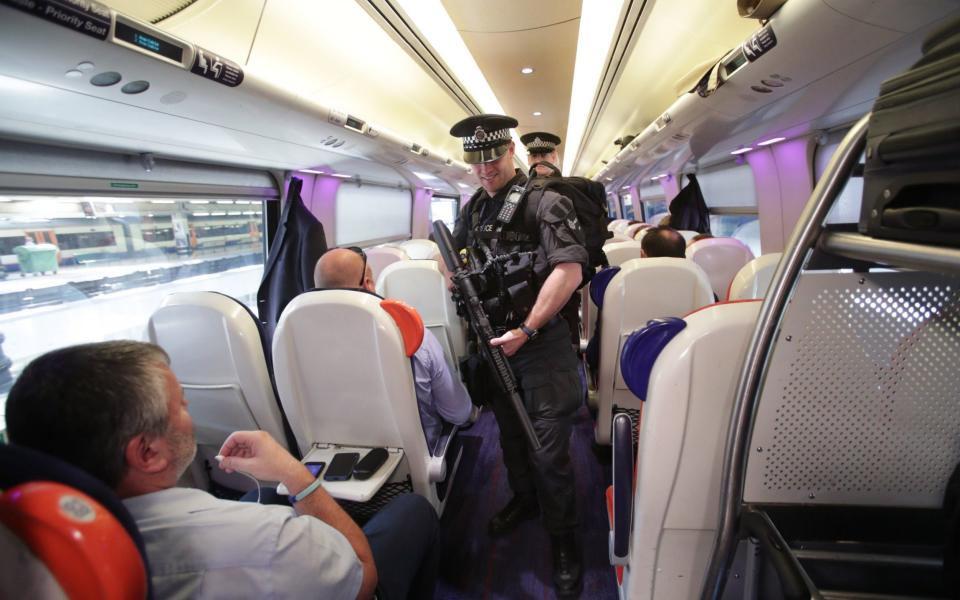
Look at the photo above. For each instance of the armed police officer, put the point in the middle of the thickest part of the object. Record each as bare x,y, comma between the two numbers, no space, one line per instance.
534,337
542,148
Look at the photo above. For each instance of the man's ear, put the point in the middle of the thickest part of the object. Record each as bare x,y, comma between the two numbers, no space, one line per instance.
642,253
145,454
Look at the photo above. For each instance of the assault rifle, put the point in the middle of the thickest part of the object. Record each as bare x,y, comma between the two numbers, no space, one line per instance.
465,295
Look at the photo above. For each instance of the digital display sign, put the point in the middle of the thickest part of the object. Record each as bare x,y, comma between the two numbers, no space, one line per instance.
148,42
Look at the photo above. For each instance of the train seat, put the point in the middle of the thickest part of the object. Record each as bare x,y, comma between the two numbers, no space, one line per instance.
420,284
616,238
688,234
614,223
380,257
620,252
654,220
644,289
344,377
216,349
632,231
721,258
681,445
64,534
420,249
753,279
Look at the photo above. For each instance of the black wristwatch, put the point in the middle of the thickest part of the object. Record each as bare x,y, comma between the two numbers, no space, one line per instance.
530,333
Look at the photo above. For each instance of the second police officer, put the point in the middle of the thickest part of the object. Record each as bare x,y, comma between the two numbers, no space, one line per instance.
538,344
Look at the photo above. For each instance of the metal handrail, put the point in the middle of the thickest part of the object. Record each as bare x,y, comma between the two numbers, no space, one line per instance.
802,241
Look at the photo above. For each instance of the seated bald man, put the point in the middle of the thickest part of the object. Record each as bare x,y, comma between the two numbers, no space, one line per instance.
440,395
663,241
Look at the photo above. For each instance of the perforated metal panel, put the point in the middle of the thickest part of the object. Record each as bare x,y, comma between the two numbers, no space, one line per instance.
861,402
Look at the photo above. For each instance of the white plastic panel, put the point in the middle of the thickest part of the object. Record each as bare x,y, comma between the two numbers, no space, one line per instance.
860,401
371,213
729,185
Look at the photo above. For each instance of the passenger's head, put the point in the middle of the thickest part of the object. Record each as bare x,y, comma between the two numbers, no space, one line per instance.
114,409
487,148
664,222
541,147
663,241
343,268
698,237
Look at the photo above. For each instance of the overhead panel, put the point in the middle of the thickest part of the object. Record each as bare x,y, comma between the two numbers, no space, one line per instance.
335,53
227,27
505,36
152,11
675,36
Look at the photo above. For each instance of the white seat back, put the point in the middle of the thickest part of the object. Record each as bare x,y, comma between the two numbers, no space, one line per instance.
721,258
420,249
688,234
420,284
655,219
620,252
681,444
380,257
621,226
343,378
753,279
644,289
614,223
217,354
632,230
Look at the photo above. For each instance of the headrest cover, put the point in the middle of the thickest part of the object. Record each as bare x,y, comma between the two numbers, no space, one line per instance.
641,350
599,283
81,543
408,320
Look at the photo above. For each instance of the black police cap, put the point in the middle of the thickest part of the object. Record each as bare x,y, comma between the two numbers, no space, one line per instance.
540,142
485,137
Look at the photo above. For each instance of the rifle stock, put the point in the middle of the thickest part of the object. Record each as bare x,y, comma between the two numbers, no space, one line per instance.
480,323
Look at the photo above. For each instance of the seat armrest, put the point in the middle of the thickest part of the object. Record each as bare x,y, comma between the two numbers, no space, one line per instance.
622,443
437,467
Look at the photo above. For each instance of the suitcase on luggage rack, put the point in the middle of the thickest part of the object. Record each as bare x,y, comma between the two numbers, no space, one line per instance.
912,173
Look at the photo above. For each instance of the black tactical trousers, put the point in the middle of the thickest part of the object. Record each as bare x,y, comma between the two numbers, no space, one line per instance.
546,371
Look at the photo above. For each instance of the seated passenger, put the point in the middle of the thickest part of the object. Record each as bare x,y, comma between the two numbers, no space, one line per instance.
440,395
116,410
663,241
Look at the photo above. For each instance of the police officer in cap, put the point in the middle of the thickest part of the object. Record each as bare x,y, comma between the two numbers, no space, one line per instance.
542,147
537,344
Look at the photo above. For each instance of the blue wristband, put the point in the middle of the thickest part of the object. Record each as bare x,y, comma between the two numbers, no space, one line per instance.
306,491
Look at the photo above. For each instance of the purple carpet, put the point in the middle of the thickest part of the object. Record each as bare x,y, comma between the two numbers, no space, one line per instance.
518,565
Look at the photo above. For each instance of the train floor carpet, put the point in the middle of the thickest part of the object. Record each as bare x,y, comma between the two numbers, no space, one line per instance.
518,565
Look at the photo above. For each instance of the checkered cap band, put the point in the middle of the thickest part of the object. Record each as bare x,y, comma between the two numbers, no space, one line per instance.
482,139
538,144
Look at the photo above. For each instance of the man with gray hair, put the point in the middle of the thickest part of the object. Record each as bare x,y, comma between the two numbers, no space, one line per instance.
116,410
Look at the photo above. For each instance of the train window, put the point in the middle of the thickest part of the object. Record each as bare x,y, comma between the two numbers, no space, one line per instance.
612,206
626,201
446,209
846,209
653,201
79,269
371,214
730,194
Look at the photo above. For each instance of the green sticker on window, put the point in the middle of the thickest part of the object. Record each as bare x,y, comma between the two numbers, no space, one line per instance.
120,184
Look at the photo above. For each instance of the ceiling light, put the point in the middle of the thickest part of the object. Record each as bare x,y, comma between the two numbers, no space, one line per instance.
464,185
537,113
771,141
527,70
312,171
593,43
340,175
742,150
423,175
224,201
162,201
434,22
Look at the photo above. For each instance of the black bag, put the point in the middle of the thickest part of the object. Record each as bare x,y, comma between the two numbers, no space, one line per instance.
912,174
589,201
689,210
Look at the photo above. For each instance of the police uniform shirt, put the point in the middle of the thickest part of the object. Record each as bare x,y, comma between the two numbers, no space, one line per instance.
560,237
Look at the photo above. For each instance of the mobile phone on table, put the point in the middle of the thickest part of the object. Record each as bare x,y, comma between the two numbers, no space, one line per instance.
341,467
316,468
369,464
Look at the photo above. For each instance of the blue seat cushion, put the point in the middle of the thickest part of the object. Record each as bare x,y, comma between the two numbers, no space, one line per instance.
641,350
599,283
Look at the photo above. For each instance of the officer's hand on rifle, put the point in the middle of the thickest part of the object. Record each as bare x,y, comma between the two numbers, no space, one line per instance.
511,341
